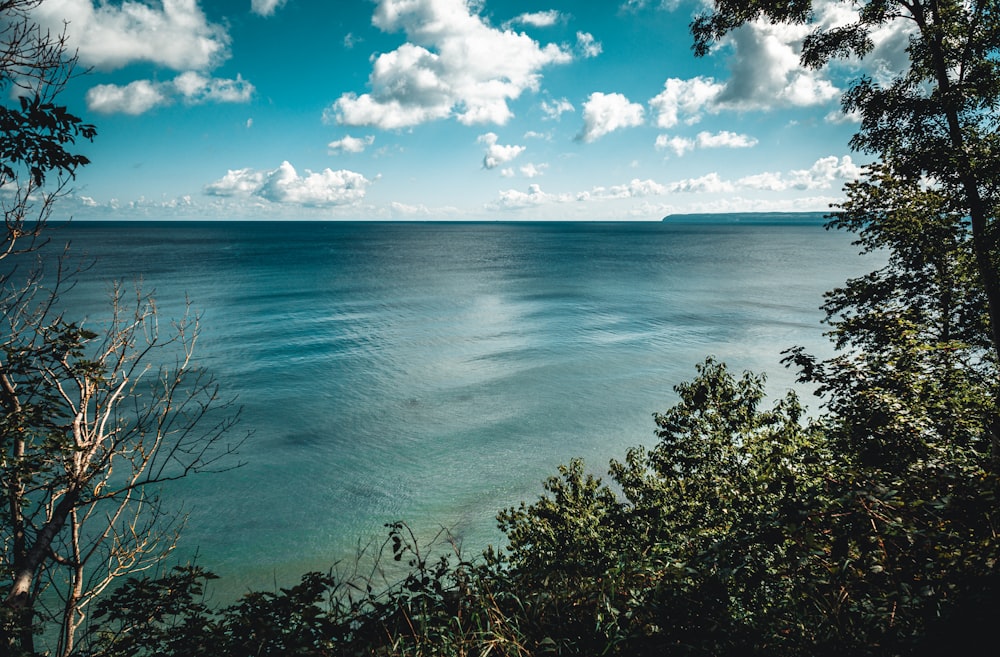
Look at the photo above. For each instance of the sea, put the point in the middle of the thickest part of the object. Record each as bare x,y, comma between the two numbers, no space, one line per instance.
438,372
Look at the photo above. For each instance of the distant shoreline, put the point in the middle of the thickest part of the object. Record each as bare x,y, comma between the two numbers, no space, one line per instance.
748,218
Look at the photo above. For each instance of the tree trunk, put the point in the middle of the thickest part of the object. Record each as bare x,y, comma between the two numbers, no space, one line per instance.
26,565
983,242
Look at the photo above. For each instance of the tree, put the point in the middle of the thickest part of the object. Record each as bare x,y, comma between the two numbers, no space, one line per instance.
916,371
89,423
933,125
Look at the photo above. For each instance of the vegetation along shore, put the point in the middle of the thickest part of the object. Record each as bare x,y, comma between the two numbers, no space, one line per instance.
749,528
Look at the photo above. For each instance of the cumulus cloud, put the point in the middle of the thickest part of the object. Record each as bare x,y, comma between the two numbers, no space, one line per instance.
453,64
350,144
709,183
684,100
556,108
196,88
326,188
265,7
587,45
174,34
143,95
725,139
704,139
536,19
633,189
679,145
497,154
513,199
825,173
531,170
765,73
604,113
765,70
135,98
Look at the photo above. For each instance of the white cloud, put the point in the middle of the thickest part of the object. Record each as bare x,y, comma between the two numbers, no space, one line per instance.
531,170
725,139
710,183
704,139
825,173
237,182
284,185
174,34
134,98
497,154
452,64
711,191
265,7
605,113
636,5
684,100
536,19
765,73
143,95
556,108
196,88
587,45
679,145
351,144
771,181
513,199
634,189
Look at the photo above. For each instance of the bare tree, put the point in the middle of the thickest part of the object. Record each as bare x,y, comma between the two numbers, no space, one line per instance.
94,416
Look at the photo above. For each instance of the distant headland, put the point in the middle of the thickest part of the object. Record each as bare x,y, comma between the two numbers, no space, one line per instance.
757,218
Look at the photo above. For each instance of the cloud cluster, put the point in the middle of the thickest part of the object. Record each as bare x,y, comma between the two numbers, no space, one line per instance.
764,74
189,87
604,113
453,64
685,100
109,36
174,34
704,139
326,188
349,144
497,154
634,189
513,199
823,174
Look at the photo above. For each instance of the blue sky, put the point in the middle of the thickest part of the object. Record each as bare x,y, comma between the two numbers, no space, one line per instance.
449,109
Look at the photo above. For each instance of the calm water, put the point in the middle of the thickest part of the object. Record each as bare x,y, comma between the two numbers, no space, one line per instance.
438,372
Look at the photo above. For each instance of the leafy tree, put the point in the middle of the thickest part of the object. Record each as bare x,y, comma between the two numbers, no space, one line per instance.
934,125
88,425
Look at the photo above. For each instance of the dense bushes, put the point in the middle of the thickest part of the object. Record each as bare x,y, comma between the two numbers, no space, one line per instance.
742,531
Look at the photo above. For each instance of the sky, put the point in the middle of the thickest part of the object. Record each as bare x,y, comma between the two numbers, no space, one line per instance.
450,110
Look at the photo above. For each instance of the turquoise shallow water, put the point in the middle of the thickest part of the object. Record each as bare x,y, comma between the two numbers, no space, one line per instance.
437,372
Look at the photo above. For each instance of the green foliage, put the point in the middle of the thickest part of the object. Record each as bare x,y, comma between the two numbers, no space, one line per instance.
744,530
916,371
35,135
